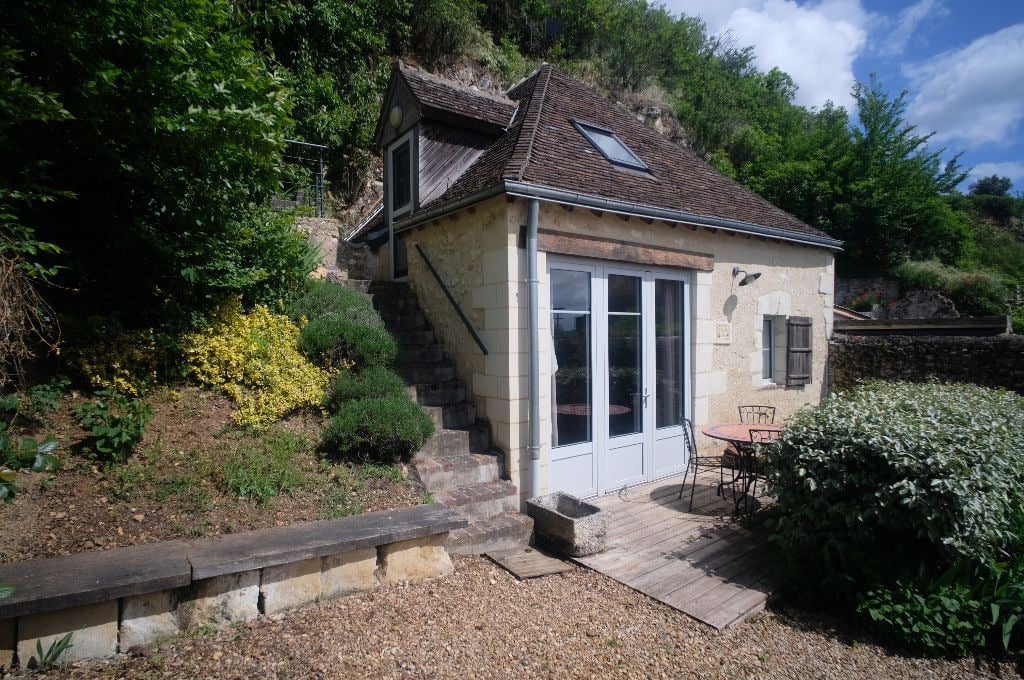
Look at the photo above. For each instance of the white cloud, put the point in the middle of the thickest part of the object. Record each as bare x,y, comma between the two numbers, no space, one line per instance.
815,43
973,95
909,22
1012,169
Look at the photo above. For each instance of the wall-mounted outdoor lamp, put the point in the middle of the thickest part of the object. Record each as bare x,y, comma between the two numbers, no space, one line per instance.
395,116
747,278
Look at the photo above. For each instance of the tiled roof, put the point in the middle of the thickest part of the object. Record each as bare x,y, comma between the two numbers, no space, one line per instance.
438,93
543,147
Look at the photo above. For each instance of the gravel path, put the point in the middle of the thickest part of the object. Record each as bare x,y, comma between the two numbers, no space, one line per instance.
483,623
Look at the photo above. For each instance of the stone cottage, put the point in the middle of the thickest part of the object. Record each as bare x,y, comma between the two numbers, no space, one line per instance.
593,283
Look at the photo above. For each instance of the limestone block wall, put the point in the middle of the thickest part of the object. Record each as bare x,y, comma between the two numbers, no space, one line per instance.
475,255
114,600
727,319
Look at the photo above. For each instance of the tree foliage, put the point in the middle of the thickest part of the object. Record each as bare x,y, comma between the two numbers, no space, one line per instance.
993,185
146,146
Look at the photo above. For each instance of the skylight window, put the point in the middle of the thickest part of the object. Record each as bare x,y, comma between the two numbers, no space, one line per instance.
610,146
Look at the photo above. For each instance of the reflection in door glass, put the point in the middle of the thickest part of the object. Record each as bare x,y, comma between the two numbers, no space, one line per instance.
571,363
669,339
625,379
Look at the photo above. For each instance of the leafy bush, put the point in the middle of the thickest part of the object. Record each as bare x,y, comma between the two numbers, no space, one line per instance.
45,397
922,469
386,429
973,292
116,423
27,452
263,470
965,608
254,358
442,27
888,485
337,342
318,298
109,357
373,381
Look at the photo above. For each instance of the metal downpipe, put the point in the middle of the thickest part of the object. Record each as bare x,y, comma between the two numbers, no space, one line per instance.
533,283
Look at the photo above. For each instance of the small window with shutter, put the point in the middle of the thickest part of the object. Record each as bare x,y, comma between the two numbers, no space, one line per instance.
798,350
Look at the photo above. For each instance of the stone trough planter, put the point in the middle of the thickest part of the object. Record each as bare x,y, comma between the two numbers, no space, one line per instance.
565,524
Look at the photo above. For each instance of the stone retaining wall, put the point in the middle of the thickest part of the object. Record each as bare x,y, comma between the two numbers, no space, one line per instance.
996,361
117,599
341,260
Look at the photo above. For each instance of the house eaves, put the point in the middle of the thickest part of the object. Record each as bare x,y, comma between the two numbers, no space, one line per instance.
560,196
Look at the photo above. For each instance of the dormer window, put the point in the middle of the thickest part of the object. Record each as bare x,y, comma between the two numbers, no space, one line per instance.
401,177
610,146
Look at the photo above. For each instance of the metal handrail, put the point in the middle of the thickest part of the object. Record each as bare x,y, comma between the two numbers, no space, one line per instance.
451,299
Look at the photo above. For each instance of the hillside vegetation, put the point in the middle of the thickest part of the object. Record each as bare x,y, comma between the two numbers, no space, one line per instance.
144,140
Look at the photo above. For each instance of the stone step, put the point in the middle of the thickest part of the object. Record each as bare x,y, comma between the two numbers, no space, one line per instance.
404,321
418,374
384,302
443,474
476,439
457,416
413,337
510,530
421,354
438,394
481,501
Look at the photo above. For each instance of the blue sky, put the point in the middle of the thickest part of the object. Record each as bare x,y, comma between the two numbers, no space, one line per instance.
962,61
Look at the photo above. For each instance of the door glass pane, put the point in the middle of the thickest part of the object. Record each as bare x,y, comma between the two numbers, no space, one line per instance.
625,375
670,382
572,420
623,294
570,290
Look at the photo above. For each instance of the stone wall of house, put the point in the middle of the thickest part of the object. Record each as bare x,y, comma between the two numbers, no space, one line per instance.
474,254
996,361
726,337
848,289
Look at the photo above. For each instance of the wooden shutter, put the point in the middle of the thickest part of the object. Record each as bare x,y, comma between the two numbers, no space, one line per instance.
798,350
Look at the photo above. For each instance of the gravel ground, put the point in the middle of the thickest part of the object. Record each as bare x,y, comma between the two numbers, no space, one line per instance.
483,623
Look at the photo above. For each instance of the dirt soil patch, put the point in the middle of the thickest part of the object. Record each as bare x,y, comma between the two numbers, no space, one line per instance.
193,475
482,622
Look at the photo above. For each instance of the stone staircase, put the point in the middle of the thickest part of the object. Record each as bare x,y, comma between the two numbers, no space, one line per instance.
457,465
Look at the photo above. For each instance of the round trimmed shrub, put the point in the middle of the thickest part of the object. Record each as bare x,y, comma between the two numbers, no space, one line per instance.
373,381
385,429
891,480
319,298
334,340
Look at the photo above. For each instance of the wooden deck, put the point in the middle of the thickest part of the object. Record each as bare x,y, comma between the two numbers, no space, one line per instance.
702,563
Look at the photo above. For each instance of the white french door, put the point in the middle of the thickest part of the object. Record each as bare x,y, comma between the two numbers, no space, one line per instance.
620,375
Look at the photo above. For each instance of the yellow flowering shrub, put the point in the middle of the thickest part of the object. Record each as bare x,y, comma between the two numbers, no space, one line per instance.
126,362
254,358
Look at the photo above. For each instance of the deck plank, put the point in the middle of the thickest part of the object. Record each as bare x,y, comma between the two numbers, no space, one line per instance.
703,563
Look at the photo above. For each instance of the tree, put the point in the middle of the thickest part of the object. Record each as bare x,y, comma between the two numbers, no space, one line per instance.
161,170
993,185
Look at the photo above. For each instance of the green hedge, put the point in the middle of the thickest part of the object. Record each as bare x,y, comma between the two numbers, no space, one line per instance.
319,298
385,429
979,293
374,381
889,486
334,340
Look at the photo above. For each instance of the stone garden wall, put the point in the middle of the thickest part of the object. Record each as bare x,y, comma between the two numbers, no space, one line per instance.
995,361
342,260
113,600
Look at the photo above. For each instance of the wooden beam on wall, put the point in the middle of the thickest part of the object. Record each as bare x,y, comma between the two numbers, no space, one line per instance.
597,247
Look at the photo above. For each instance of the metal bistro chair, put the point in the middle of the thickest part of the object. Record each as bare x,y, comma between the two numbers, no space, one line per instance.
698,462
758,440
750,415
757,415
